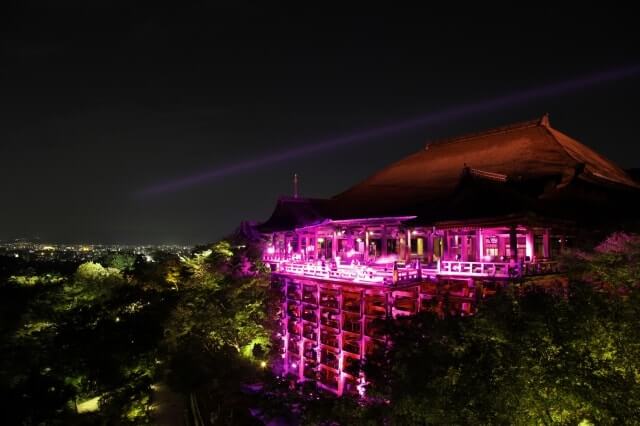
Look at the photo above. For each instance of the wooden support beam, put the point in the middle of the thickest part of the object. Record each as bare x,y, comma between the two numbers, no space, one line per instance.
529,244
513,243
546,248
383,241
334,245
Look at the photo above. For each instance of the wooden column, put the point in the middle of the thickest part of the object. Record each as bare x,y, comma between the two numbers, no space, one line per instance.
334,245
287,242
529,244
401,246
351,242
340,351
546,252
383,242
479,245
501,245
445,249
431,248
513,243
366,245
463,247
316,246
408,244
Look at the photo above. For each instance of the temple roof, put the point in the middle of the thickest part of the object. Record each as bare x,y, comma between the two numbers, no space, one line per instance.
531,150
293,213
520,169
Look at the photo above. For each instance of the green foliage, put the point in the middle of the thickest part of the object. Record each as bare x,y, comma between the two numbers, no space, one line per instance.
613,265
91,334
107,331
222,311
91,284
34,280
538,358
222,251
123,262
565,357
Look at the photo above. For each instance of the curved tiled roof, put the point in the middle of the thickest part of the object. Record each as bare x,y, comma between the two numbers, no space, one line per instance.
522,169
293,213
529,150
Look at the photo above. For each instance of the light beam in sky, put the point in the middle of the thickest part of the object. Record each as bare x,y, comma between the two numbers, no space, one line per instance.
439,117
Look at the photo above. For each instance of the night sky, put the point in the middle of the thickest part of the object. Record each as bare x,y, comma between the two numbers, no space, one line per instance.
101,106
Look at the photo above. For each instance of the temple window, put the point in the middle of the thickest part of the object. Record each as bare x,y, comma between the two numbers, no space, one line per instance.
491,246
375,246
392,246
521,247
454,247
437,247
417,246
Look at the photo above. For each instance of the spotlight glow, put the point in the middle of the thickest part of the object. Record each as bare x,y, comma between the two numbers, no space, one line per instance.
436,117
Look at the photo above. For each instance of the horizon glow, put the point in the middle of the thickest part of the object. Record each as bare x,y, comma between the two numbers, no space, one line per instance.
442,116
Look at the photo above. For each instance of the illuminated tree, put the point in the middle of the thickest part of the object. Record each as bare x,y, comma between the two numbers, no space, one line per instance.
123,262
537,358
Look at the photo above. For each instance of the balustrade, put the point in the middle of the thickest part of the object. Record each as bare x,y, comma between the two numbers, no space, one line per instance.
386,275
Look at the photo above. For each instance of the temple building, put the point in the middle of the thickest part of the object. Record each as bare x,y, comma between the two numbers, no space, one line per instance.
436,231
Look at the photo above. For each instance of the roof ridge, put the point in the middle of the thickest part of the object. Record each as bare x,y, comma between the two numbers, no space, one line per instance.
543,121
498,177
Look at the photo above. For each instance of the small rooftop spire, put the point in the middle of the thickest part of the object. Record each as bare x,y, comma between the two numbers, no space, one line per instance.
295,185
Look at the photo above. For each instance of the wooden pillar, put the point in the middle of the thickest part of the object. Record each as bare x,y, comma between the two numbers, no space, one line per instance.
401,246
513,243
334,245
301,342
366,245
445,249
316,246
288,249
463,247
350,242
501,245
361,321
408,244
529,244
340,351
383,242
479,245
388,301
546,252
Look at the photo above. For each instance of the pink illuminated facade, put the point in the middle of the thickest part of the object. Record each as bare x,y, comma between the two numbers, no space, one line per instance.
438,231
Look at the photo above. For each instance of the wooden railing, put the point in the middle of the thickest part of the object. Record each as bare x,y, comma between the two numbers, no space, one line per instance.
386,275
492,269
478,269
